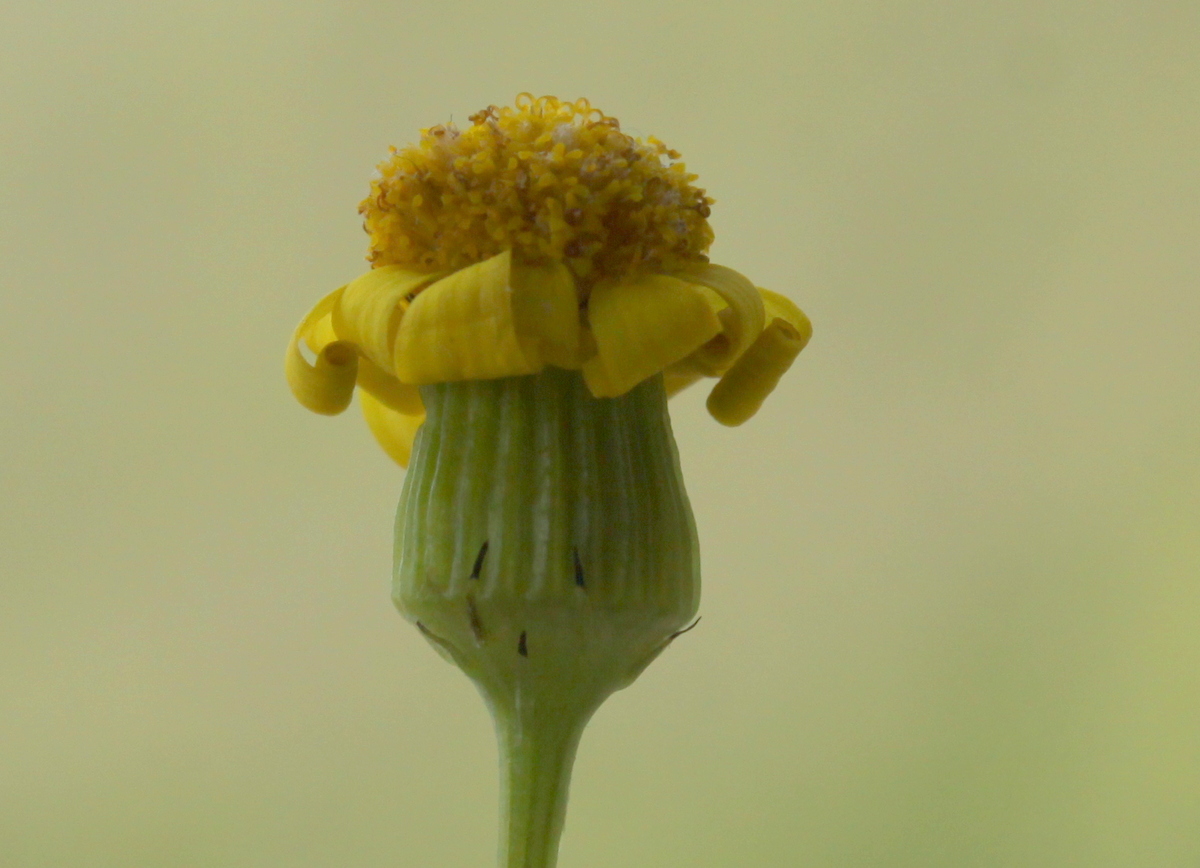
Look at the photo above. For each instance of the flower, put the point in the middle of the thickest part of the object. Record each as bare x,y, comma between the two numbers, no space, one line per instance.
540,236
539,285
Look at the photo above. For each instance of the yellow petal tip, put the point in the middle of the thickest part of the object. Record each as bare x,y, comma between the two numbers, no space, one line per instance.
739,394
327,386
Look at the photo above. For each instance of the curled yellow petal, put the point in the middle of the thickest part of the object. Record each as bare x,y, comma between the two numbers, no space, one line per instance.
369,310
781,307
394,431
641,328
743,388
401,397
463,327
327,385
321,333
546,313
741,320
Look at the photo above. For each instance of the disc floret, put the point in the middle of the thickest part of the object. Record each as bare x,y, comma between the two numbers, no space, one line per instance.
549,180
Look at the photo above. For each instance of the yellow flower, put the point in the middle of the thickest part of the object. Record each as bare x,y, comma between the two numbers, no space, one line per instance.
539,285
540,236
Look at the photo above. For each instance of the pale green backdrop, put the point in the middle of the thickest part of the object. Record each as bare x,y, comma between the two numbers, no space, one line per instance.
952,604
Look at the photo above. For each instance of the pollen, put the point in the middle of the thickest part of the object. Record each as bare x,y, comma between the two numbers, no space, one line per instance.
547,179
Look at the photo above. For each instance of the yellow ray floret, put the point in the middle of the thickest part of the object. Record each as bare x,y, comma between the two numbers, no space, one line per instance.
540,236
394,431
489,320
327,385
641,327
740,310
743,388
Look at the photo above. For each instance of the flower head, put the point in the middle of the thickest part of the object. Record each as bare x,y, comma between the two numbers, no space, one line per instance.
540,236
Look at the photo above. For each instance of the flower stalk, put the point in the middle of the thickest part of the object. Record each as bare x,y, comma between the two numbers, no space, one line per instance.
537,744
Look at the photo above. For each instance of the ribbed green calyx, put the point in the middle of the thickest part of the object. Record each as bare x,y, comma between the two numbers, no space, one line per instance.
544,543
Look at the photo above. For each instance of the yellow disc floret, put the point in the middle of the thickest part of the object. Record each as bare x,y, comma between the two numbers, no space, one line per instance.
548,180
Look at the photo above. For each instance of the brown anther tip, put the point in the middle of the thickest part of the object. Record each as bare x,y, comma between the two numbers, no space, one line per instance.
522,648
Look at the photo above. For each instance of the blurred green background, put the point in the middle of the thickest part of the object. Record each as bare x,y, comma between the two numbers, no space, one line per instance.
951,614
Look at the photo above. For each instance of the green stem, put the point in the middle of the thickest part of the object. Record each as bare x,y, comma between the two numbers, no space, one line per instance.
537,749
